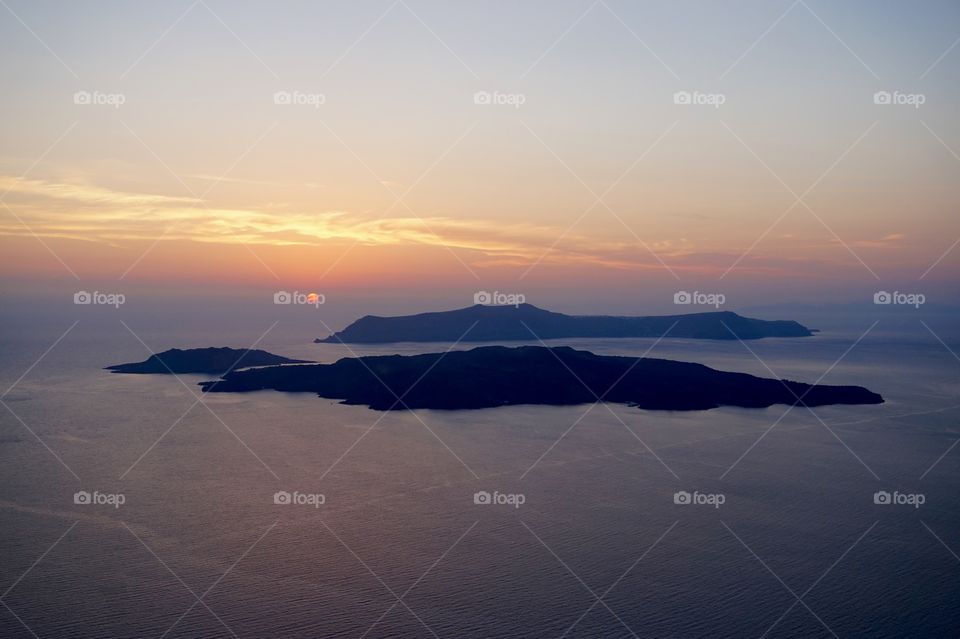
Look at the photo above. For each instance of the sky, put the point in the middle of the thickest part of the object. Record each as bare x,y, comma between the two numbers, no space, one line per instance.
582,153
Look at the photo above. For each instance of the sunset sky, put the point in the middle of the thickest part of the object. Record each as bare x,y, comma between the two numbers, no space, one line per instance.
598,181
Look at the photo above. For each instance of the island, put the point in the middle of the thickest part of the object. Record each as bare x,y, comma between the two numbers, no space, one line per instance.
480,323
209,361
490,376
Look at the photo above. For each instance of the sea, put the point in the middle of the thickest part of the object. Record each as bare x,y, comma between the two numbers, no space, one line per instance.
134,506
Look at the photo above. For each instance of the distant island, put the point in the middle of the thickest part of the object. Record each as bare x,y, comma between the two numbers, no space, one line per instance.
490,376
210,361
527,322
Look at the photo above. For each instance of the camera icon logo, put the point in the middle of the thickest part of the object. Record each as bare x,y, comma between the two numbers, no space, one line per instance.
282,297
682,297
82,297
82,497
682,497
482,297
482,497
882,97
82,97
482,97
682,97
882,297
882,497
282,97
282,497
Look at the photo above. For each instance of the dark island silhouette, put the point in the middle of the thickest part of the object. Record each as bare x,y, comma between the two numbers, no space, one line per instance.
527,322
490,376
210,361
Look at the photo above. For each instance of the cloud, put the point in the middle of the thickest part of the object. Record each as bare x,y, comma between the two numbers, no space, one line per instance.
233,180
86,212
81,193
887,241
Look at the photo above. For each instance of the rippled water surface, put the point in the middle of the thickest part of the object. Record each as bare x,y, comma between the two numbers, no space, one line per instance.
598,547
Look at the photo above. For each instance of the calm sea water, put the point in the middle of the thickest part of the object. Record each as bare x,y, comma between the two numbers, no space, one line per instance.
598,548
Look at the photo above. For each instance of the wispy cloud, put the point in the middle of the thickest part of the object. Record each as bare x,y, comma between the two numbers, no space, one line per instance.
894,240
236,180
81,211
81,193
87,212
